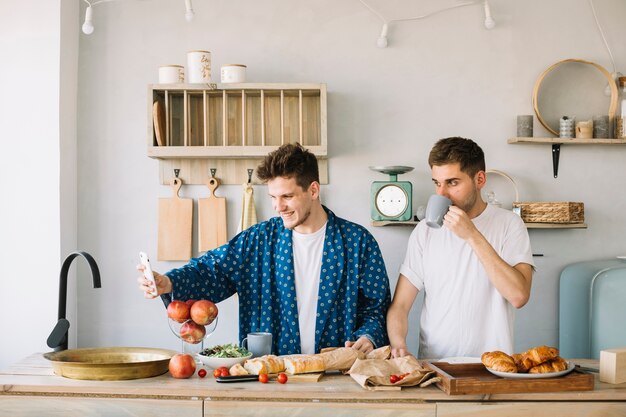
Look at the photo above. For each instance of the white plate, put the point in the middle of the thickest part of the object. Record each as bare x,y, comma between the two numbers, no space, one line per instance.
460,359
570,368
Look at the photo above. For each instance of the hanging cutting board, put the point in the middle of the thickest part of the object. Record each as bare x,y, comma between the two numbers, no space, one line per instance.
175,218
211,219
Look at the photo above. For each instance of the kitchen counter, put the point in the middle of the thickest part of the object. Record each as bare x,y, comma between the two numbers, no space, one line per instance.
30,388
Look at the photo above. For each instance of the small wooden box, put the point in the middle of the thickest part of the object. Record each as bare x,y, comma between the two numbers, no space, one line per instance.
551,212
613,366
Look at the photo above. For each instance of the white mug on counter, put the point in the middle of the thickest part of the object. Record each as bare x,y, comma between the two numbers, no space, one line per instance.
171,74
199,67
259,343
233,73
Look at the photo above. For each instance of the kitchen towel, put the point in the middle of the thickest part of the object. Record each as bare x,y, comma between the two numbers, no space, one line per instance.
248,212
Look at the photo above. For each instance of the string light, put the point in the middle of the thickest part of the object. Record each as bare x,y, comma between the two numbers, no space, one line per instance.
88,27
383,40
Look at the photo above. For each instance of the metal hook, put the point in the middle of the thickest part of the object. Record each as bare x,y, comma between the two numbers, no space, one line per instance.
250,171
176,172
213,171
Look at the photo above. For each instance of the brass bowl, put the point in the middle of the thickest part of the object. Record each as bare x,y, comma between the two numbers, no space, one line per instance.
110,364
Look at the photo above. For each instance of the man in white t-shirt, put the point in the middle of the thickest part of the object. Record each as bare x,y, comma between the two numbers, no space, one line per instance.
474,271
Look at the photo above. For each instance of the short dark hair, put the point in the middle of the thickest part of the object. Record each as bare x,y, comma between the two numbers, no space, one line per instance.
458,150
291,160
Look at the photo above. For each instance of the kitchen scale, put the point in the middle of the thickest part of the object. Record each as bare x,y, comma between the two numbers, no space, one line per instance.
391,200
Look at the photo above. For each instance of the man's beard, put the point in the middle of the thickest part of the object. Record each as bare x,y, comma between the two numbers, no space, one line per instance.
469,203
301,221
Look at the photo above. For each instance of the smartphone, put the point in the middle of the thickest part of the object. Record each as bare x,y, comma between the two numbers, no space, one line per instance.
147,271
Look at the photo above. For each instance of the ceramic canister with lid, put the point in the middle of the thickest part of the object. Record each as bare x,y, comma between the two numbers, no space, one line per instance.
199,67
171,74
233,73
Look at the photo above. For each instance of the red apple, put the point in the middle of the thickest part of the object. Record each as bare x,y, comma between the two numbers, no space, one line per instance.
182,366
190,302
192,332
203,312
178,310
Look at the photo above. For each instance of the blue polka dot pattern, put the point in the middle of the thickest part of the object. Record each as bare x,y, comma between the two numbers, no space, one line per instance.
258,265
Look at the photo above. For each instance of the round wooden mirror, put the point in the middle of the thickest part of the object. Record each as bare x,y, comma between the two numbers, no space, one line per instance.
574,88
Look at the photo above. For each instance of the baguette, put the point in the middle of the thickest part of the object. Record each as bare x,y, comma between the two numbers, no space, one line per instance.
303,364
268,364
340,359
237,369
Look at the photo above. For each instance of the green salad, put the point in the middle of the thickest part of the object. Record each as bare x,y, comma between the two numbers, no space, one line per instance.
229,350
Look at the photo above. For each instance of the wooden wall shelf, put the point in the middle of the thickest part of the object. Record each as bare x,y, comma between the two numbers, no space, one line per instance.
233,127
557,142
528,225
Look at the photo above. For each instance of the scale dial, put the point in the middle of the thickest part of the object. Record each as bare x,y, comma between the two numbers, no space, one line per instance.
391,201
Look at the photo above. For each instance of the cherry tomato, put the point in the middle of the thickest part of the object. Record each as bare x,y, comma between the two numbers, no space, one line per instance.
263,378
202,373
394,378
282,378
217,372
224,372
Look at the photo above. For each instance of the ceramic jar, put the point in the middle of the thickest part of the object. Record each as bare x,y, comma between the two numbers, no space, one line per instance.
233,73
199,67
171,74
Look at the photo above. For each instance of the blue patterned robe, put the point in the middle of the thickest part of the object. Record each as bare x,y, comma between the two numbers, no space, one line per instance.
258,265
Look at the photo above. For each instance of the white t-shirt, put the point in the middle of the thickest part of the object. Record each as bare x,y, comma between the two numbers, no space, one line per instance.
307,260
463,313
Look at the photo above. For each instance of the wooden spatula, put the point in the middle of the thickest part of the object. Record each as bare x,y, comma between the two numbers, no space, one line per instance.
175,218
211,219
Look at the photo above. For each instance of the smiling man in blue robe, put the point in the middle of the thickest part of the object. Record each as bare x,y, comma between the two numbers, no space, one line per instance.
310,278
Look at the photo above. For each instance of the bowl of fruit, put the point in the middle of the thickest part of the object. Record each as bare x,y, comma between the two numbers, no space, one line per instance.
225,355
192,321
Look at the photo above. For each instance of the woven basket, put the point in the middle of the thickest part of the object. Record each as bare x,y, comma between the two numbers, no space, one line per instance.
552,212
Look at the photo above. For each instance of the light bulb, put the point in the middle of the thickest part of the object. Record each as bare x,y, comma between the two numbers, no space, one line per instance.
489,22
88,25
382,40
189,11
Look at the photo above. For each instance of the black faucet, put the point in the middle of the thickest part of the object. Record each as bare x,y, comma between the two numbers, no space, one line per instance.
59,336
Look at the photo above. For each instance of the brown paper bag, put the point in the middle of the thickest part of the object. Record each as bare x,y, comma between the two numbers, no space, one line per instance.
371,373
340,359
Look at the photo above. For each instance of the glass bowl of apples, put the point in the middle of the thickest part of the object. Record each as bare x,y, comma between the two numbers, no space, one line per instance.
192,321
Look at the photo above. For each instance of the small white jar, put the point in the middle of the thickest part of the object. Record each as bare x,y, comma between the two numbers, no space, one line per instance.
199,67
233,73
171,74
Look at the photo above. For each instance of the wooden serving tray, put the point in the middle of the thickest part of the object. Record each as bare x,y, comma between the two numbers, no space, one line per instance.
474,378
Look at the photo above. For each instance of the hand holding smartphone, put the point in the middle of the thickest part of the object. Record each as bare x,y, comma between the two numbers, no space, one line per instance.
147,271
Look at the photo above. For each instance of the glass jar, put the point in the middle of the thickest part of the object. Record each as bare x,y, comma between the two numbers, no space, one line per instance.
620,124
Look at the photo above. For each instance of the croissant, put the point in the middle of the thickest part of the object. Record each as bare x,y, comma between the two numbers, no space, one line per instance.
555,365
541,354
498,361
522,362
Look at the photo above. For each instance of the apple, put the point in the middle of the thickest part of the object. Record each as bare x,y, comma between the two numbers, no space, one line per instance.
182,366
203,312
192,332
178,310
190,302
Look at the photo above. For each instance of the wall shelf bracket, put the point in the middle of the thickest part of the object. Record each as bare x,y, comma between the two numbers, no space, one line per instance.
556,151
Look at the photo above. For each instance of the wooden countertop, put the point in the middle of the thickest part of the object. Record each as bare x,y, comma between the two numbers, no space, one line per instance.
34,376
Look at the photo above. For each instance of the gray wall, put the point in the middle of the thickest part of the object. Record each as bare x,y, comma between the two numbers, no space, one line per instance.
442,76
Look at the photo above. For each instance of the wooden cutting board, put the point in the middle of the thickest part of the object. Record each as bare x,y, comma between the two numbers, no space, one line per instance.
175,219
158,120
211,219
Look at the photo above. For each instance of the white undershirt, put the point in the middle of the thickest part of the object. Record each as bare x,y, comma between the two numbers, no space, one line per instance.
307,263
